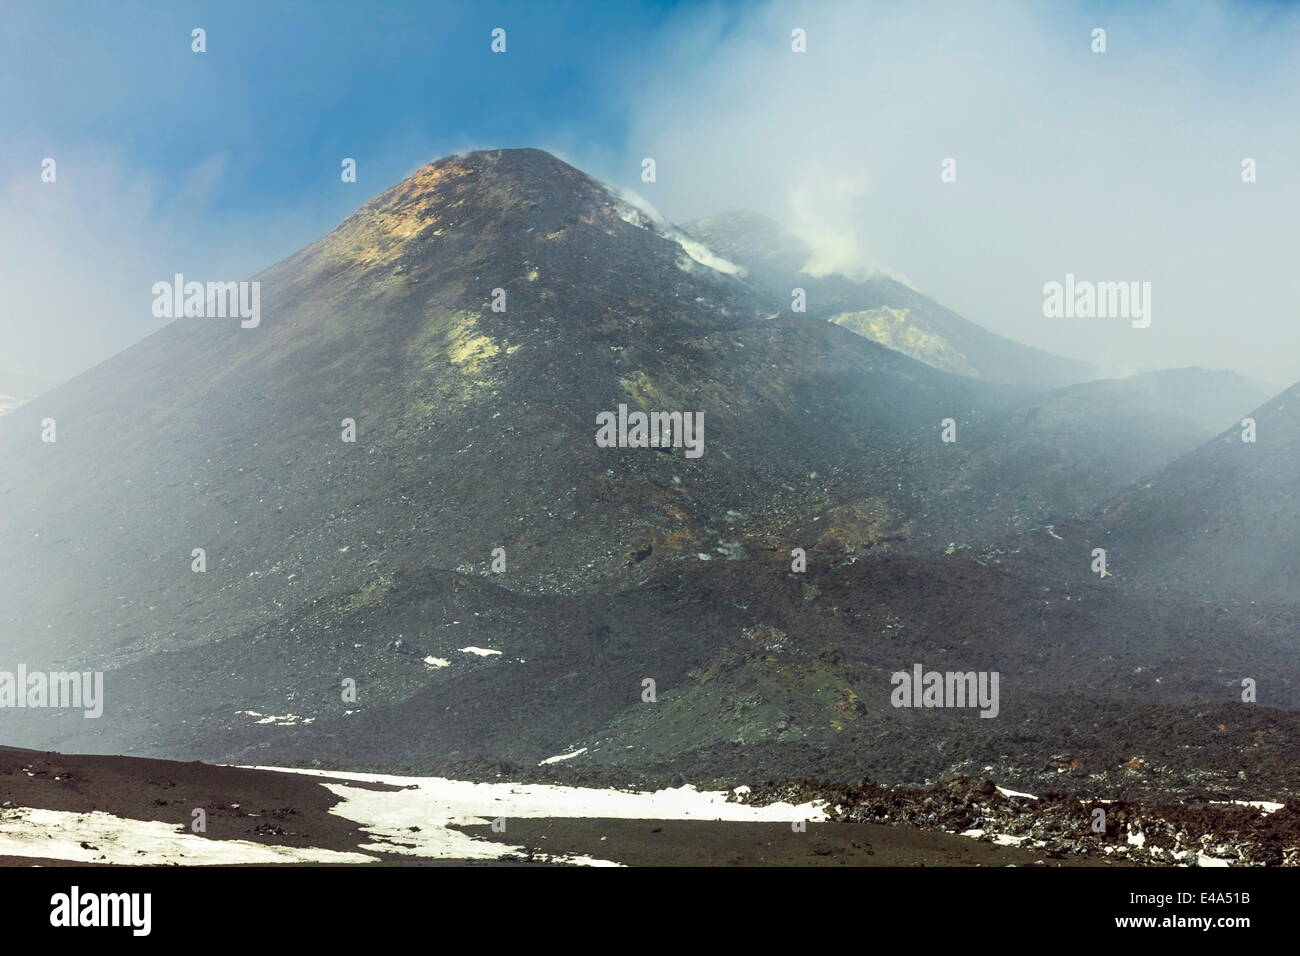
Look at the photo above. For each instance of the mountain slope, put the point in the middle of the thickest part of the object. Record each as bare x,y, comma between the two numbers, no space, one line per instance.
880,308
1064,452
1221,519
759,673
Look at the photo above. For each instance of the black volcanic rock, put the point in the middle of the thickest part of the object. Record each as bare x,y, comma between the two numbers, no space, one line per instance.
759,674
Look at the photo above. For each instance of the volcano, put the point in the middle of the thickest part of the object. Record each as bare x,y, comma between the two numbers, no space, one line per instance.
392,486
473,322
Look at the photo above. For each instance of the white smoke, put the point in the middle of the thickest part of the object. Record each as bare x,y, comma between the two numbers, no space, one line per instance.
638,211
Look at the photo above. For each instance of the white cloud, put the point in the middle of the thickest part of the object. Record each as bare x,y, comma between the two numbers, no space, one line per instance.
1116,166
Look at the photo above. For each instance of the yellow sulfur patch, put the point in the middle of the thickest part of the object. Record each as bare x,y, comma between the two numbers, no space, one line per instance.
896,329
453,341
469,351
378,235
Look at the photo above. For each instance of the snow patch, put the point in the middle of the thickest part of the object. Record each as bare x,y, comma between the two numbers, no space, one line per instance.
1015,793
99,837
1006,839
436,804
288,720
1000,839
569,756
1263,805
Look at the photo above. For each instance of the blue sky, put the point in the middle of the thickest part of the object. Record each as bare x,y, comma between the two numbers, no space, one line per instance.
285,90
227,161
1123,166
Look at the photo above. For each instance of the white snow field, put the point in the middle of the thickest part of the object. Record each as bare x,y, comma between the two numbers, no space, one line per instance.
435,803
104,838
